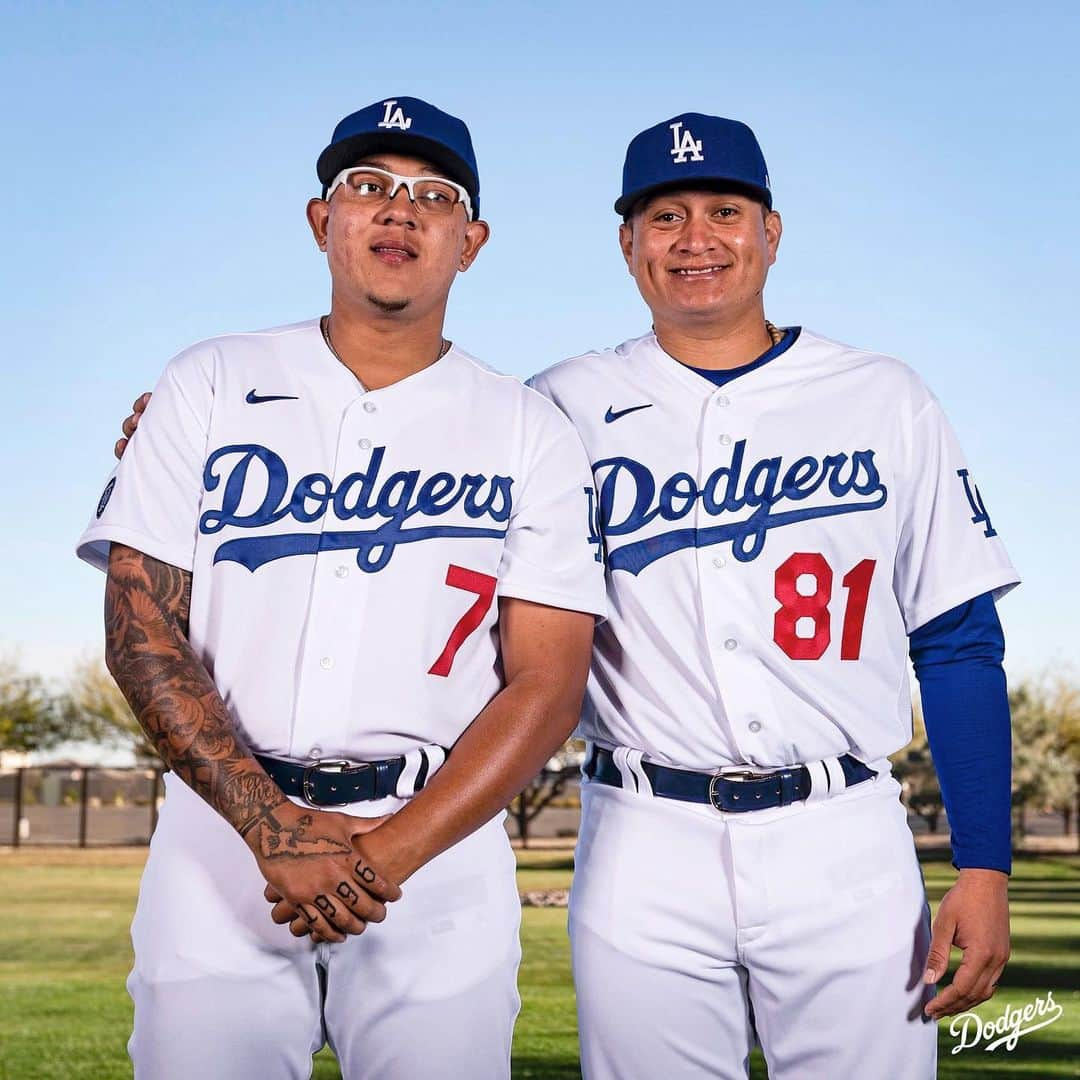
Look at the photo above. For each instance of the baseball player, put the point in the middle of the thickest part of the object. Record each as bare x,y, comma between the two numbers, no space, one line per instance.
351,592
785,519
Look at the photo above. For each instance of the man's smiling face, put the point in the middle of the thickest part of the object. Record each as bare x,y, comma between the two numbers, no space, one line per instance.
699,255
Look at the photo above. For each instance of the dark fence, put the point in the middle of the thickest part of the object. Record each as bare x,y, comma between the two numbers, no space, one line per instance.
92,806
77,806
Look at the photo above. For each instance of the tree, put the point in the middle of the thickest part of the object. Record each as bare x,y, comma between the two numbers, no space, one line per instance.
1045,754
97,710
1065,710
30,718
1044,772
913,768
545,787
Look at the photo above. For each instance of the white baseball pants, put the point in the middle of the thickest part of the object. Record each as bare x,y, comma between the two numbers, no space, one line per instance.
694,930
222,993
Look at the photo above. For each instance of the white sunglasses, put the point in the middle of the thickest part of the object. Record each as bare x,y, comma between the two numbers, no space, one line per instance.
433,194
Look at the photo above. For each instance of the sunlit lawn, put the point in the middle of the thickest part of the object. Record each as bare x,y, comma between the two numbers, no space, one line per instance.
64,953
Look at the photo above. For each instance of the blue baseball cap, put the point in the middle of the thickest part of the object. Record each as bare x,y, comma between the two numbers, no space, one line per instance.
695,151
404,125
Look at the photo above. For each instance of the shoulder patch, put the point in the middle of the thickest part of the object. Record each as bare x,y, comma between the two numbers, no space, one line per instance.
975,501
105,496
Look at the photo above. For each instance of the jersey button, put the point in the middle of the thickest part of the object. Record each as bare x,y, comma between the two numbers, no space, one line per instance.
342,571
315,752
723,400
725,440
719,562
370,406
754,726
364,444
731,644
326,663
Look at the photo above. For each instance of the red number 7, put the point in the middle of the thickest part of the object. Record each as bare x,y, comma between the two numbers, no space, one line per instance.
484,587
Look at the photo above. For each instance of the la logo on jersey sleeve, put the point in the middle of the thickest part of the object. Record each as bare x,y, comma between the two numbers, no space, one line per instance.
106,495
596,535
975,501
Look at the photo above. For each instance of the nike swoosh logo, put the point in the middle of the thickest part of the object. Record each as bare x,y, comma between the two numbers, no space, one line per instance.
611,415
257,399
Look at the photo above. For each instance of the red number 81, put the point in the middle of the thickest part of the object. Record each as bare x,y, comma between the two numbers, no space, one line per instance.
815,606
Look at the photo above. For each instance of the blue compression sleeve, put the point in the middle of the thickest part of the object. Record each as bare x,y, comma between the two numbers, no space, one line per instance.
957,659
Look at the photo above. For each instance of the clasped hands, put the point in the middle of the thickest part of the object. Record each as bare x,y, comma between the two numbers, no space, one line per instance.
324,876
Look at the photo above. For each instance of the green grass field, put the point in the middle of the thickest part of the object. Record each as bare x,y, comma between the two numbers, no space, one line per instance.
64,953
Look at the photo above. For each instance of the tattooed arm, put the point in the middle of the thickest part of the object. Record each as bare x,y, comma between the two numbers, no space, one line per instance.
307,855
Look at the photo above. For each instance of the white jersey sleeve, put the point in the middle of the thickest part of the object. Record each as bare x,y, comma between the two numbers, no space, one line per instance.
948,550
552,555
151,500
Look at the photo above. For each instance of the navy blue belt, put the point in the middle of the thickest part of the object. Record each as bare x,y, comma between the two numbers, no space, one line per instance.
734,792
335,783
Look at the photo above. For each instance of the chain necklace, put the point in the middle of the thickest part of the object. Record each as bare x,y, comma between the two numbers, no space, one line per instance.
324,326
775,334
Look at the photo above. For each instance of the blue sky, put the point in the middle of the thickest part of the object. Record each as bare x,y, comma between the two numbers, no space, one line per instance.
157,160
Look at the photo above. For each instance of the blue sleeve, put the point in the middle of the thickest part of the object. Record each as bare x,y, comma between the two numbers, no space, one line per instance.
957,659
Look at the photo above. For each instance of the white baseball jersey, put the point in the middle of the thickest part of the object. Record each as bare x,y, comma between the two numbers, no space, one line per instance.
770,544
347,548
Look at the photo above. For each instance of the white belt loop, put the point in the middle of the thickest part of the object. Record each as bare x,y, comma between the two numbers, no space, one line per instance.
633,763
436,756
819,781
406,782
837,779
626,774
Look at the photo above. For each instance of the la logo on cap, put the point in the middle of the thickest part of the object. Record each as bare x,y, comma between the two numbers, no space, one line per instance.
684,145
394,118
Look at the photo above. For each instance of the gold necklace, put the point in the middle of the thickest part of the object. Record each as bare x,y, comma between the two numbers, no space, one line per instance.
324,326
775,333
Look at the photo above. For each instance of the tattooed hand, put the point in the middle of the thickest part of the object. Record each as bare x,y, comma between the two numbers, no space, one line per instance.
303,853
362,883
318,879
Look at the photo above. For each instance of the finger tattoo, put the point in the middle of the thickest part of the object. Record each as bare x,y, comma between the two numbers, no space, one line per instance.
347,893
325,905
364,873
304,911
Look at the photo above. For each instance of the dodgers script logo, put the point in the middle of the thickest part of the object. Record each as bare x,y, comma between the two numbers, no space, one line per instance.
630,499
254,473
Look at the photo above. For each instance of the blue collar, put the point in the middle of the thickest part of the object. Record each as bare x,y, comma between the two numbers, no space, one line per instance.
725,375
